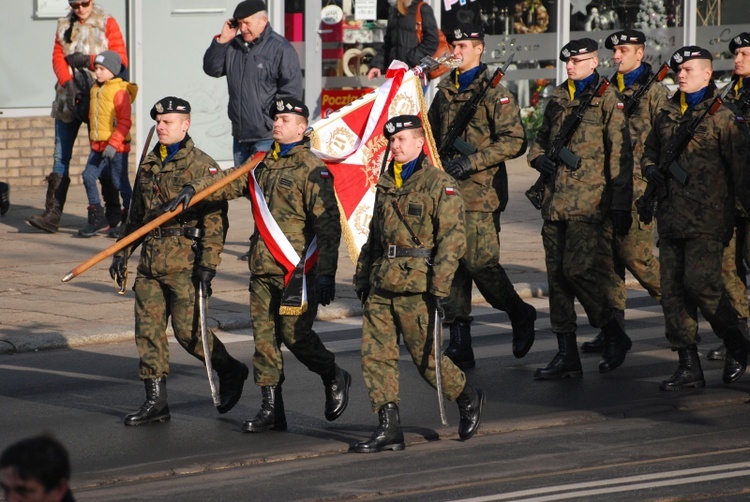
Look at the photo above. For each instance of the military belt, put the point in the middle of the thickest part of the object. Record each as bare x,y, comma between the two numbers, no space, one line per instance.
397,252
190,232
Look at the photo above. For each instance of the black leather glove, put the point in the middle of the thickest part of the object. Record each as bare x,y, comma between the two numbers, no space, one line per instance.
621,221
325,287
184,197
653,175
362,293
117,269
544,165
460,167
78,60
204,275
440,303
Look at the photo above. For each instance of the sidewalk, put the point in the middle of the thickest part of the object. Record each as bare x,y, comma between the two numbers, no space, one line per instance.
38,311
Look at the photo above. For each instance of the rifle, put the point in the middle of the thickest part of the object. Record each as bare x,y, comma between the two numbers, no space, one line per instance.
453,145
632,104
558,152
647,204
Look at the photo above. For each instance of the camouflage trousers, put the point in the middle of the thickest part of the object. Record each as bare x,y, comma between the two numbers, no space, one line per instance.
156,300
386,316
479,264
270,330
578,256
691,280
731,268
634,252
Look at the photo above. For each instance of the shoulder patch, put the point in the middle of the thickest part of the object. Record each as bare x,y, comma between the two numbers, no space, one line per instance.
325,174
213,170
739,119
620,105
450,191
504,100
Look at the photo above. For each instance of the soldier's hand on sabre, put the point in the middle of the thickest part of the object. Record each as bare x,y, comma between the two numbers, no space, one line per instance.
204,275
325,287
184,197
362,293
119,272
544,165
440,302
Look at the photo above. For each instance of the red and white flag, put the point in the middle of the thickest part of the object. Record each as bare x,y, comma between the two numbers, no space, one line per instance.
351,142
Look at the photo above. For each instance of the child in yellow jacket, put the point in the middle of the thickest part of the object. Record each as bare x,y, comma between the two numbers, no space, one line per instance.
109,136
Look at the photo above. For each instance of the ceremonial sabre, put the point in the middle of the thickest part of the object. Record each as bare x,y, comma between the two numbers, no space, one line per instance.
202,310
438,367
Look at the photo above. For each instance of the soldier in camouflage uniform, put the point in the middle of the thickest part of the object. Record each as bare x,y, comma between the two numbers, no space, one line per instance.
403,272
695,220
581,209
298,190
733,271
174,258
495,134
633,251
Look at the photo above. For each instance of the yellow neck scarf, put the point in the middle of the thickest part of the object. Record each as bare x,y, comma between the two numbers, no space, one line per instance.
397,168
620,82
572,89
683,104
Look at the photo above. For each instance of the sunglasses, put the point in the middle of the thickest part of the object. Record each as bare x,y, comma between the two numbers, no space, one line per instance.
76,6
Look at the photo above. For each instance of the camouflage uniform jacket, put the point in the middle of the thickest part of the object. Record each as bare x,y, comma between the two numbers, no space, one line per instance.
496,131
640,122
604,180
298,188
159,183
432,206
740,98
715,160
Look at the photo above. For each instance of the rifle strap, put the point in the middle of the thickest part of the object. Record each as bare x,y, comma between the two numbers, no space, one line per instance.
401,217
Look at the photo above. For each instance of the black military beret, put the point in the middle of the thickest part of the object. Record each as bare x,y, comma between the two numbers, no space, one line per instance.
578,47
248,8
741,40
401,123
290,105
625,37
170,104
688,53
467,31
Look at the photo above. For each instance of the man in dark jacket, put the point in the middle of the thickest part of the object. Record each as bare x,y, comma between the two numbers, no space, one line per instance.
261,67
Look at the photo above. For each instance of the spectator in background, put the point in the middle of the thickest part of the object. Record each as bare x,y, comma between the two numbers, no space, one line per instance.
261,68
85,32
109,135
400,41
36,468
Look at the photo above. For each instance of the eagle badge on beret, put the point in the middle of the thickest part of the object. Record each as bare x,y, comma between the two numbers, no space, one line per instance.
280,105
566,53
159,108
390,127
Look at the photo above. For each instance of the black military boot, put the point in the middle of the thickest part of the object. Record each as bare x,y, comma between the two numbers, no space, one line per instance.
459,349
4,198
271,414
57,192
689,372
337,392
597,344
112,206
717,354
616,346
388,435
737,351
155,408
566,363
231,381
470,403
522,317
97,222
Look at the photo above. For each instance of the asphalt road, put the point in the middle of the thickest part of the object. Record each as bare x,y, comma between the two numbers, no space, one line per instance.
603,437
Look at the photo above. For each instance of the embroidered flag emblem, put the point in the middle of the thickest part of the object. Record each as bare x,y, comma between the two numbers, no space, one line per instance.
450,191
620,106
213,170
325,175
504,101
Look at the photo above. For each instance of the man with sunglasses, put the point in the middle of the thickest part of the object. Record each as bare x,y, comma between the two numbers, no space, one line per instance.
582,207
